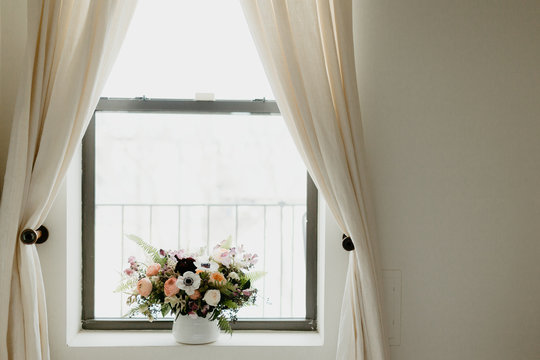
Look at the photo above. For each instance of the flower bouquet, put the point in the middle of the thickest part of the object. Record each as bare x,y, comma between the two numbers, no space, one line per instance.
211,287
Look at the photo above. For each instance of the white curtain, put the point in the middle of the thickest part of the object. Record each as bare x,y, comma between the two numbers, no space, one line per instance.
307,49
70,48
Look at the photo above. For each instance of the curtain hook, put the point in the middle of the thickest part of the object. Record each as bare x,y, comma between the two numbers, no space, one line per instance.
31,236
347,243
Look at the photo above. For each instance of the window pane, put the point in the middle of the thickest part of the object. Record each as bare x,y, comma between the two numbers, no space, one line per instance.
189,181
175,48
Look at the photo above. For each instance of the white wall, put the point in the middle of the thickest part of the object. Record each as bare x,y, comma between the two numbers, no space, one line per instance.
450,94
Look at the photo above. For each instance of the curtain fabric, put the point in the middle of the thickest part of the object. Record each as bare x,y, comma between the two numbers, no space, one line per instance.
308,53
70,49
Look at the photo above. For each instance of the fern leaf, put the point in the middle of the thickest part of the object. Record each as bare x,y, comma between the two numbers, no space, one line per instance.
149,249
227,243
128,284
255,275
224,325
131,312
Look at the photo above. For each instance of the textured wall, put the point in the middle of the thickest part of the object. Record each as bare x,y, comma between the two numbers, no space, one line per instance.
450,95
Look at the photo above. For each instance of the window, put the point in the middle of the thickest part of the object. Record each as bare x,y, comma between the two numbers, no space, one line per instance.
186,173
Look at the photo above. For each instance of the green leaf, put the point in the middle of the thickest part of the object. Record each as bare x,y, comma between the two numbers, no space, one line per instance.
149,249
131,312
230,304
227,243
127,284
227,289
224,325
255,275
165,308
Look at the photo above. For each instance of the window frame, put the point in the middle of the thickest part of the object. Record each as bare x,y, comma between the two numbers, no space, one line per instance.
143,104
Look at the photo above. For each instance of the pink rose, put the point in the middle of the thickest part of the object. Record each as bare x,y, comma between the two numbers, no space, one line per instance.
144,287
170,287
153,270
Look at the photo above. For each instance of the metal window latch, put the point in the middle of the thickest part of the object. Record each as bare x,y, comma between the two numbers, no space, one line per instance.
260,100
143,98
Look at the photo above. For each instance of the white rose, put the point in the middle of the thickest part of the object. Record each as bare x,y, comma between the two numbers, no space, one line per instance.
212,297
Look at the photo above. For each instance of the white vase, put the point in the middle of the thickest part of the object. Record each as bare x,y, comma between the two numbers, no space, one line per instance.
187,330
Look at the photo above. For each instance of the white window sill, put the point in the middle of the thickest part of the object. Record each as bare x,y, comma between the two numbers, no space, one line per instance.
138,338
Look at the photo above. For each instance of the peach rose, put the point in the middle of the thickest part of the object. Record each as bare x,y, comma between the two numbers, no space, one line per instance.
144,287
217,278
196,295
153,270
170,287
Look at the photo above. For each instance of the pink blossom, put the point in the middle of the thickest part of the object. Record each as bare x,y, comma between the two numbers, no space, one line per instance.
179,254
131,259
251,258
246,292
129,271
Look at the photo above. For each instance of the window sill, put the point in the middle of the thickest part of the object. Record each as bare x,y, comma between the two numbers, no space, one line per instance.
138,338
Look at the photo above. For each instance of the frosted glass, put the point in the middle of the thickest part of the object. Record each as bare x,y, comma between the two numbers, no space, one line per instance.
189,181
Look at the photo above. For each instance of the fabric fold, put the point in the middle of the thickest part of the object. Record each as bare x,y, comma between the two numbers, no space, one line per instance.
70,49
307,51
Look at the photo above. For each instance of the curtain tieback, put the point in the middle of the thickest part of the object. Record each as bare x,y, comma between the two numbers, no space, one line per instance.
347,243
31,236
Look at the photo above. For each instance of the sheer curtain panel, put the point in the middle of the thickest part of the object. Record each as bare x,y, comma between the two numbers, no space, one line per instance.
70,48
307,49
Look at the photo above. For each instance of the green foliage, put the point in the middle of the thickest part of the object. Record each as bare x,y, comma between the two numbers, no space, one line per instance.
126,285
230,304
149,249
227,244
227,289
255,275
165,308
131,312
224,325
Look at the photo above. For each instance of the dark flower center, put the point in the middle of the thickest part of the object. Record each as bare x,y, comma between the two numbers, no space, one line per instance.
188,281
205,265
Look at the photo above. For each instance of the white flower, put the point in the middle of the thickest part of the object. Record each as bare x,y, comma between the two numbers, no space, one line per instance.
206,264
222,256
212,297
189,282
233,276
